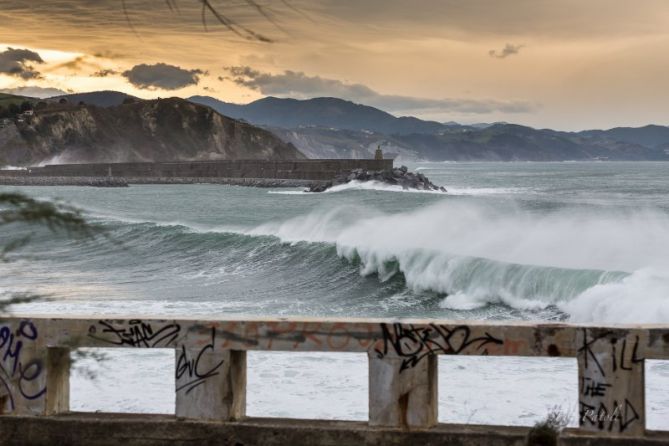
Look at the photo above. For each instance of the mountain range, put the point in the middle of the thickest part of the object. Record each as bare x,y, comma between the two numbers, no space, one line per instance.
331,127
336,128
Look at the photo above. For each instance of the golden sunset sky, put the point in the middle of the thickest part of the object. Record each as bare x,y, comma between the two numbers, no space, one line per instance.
563,64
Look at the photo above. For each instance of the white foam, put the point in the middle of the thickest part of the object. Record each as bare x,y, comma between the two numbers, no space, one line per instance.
377,186
577,259
382,187
474,191
642,297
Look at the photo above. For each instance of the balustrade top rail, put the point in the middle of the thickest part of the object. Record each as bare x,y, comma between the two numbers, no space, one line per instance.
211,362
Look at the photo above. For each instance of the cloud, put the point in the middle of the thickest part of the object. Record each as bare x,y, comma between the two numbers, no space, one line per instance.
34,91
508,50
105,72
301,86
106,54
17,62
75,64
162,76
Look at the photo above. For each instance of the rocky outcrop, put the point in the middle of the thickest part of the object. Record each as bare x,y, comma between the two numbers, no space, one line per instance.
158,130
396,177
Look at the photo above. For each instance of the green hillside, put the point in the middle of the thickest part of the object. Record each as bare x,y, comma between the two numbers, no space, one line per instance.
6,99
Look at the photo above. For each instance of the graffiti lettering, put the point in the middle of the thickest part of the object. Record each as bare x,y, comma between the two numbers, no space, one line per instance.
14,367
135,334
607,358
191,368
413,343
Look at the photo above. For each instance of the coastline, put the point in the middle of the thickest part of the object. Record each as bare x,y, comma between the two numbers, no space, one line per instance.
101,181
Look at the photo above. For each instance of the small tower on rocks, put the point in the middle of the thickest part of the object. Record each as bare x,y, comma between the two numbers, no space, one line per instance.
378,155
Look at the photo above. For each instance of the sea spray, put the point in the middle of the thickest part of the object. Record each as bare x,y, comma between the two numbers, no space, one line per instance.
573,258
594,265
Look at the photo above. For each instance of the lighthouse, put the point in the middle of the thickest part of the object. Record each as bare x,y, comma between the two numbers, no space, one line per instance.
378,155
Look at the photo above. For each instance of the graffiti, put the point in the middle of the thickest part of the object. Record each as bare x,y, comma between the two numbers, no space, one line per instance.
594,388
413,343
135,333
190,367
619,358
15,368
607,358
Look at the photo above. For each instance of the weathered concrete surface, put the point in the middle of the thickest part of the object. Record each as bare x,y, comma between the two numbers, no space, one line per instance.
158,430
402,397
573,437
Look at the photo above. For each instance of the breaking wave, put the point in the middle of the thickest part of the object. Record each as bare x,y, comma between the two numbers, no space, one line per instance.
603,267
590,265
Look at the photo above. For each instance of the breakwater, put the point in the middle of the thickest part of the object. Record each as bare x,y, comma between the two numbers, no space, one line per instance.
210,379
32,180
301,170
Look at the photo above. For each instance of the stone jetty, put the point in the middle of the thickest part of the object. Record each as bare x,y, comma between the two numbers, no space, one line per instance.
400,176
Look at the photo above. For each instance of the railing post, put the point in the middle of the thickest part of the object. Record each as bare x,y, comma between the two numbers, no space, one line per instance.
400,394
34,379
210,384
58,365
611,381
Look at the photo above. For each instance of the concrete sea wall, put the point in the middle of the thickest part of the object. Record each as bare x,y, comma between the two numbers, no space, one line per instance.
31,180
310,170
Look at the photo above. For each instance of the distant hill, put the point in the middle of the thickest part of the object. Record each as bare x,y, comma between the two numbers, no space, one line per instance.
509,142
499,142
650,135
6,99
107,98
334,128
319,112
158,130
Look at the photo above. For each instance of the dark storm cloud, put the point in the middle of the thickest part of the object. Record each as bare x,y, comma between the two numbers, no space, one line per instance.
18,62
508,50
299,85
162,76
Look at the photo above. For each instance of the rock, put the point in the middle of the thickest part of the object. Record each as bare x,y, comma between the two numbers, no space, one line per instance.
398,176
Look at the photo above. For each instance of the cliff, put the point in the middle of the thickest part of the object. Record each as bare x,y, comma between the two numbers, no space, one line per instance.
159,130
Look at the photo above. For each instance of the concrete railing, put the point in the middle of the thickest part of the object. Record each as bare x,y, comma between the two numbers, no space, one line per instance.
210,358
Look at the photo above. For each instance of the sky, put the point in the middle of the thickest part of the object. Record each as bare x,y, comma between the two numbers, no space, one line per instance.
563,64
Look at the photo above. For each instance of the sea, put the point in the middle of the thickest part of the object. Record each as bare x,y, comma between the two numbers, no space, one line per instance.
548,242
